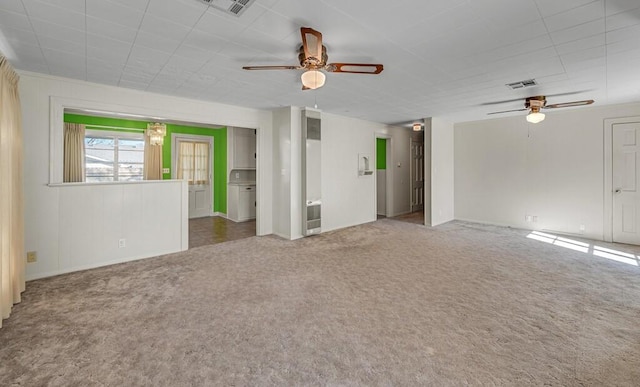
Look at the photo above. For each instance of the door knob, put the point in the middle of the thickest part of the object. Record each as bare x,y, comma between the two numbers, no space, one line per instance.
618,190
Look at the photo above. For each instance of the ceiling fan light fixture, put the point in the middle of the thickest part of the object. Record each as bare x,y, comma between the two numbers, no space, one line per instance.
313,79
535,116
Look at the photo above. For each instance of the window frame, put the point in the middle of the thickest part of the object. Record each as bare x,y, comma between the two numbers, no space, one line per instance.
117,136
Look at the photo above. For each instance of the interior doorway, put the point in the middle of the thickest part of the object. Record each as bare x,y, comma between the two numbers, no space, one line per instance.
625,179
417,173
382,178
192,161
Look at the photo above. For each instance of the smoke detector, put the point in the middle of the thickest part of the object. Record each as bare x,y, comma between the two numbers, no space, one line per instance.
231,7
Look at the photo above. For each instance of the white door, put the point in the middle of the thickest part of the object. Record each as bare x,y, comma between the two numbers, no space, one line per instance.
626,178
193,164
417,176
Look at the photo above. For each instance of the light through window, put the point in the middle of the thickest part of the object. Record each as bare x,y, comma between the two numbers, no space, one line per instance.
113,156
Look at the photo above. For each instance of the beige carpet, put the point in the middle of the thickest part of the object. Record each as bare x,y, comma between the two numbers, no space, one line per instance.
386,303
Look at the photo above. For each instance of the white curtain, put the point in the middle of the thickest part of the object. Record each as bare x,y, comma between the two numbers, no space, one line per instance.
12,257
73,153
193,162
152,160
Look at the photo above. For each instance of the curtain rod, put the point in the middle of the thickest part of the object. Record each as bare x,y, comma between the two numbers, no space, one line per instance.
89,126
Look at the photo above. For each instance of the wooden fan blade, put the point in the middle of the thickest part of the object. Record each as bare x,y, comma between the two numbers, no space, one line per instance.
271,67
311,43
509,111
569,104
355,68
523,99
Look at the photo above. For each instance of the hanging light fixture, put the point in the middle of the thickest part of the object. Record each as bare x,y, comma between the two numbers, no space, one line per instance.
156,132
313,79
535,104
535,116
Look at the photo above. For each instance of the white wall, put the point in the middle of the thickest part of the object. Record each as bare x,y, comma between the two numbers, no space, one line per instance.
349,199
506,169
283,119
43,212
95,217
442,171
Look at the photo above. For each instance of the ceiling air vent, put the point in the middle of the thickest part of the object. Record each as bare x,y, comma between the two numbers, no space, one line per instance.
522,84
232,7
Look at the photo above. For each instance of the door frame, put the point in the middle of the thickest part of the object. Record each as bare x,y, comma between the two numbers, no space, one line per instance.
389,186
175,137
608,172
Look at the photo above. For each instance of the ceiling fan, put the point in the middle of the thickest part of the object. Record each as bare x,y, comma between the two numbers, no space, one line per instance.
313,58
536,103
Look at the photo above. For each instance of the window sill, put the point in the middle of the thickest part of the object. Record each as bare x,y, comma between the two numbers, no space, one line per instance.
83,184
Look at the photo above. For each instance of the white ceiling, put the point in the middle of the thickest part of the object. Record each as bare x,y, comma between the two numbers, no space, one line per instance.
442,57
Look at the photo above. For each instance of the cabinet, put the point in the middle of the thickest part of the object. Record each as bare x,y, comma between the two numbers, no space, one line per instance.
244,148
241,205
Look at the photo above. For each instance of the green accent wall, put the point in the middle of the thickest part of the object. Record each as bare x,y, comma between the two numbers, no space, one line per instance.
219,147
219,159
381,153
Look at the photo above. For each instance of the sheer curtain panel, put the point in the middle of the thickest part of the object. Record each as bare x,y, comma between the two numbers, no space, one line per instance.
73,152
12,257
193,162
152,160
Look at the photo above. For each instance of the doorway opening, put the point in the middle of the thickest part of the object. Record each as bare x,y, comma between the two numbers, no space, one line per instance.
193,161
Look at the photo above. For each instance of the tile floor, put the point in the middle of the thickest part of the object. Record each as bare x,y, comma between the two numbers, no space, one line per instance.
414,217
211,230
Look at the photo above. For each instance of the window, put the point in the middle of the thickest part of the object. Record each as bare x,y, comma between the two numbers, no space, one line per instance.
193,162
113,156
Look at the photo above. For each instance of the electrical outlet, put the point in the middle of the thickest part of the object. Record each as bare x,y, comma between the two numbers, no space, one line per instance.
122,243
582,228
166,170
528,218
237,175
32,256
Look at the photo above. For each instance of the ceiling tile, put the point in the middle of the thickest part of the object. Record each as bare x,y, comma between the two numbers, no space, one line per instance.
55,15
183,13
111,30
576,16
156,42
623,20
578,32
108,50
552,7
164,29
581,44
57,31
116,13
219,25
147,58
62,45
618,6
15,6
13,20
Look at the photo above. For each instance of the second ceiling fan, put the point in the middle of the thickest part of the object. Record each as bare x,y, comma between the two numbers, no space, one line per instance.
313,58
539,102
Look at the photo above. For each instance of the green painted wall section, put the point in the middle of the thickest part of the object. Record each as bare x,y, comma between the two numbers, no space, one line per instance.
381,153
219,147
219,159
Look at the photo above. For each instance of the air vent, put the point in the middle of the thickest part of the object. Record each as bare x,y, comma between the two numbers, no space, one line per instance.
522,84
232,7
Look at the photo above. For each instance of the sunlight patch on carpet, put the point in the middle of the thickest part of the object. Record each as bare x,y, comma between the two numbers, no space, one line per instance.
583,247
